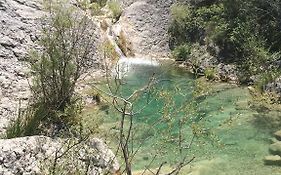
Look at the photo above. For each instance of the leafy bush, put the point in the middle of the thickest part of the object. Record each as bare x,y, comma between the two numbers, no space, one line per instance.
101,3
115,8
94,6
109,51
67,47
236,27
181,52
210,73
95,9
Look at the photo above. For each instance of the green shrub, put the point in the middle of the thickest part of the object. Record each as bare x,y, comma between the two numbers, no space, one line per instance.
93,6
84,4
95,9
109,51
25,124
101,3
66,47
182,52
180,13
236,27
115,8
210,73
14,129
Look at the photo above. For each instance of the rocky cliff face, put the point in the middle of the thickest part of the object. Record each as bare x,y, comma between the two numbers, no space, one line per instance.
145,24
18,23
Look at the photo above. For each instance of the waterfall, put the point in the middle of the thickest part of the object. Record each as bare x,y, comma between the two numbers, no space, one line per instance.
112,39
126,64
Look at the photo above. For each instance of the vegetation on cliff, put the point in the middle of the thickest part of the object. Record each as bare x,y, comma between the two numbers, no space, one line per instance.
66,51
244,33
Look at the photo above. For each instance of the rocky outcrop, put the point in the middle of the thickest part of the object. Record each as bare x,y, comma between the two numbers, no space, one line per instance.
277,135
272,160
274,86
275,150
18,19
20,24
145,23
36,155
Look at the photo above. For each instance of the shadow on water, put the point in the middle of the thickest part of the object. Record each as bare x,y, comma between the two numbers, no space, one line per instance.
269,121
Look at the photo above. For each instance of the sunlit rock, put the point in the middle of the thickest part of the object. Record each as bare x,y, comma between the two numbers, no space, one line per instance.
272,160
275,148
277,135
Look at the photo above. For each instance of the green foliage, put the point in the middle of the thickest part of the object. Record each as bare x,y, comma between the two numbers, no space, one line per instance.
26,123
14,129
265,78
94,6
66,48
95,9
210,73
101,3
109,51
181,52
115,8
237,27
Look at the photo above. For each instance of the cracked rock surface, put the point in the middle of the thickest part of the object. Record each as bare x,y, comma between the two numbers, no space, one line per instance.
146,23
36,154
18,23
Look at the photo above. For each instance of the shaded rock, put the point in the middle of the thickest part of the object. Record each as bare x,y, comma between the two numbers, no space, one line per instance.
277,135
275,148
274,86
272,160
273,140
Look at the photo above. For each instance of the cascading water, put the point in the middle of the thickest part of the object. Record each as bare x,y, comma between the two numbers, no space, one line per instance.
126,64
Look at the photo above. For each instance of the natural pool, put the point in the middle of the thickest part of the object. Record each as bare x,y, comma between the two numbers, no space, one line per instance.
227,141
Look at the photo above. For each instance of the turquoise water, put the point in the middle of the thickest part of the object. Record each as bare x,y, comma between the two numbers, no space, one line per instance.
226,140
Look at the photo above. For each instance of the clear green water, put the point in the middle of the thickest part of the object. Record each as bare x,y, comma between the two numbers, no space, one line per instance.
227,141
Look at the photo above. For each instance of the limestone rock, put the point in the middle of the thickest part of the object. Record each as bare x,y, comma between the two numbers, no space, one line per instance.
272,160
277,135
275,148
274,86
146,24
35,155
19,23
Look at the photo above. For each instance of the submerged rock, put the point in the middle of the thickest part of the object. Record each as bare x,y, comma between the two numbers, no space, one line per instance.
275,148
272,160
277,135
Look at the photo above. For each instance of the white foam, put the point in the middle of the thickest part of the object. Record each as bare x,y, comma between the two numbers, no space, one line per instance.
138,61
125,65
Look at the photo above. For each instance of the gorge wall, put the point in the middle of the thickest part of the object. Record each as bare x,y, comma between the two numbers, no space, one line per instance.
18,23
146,23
